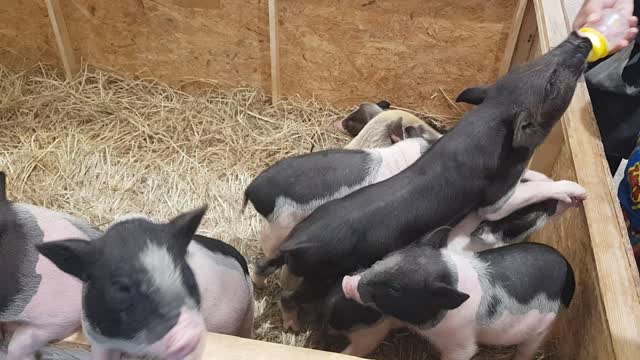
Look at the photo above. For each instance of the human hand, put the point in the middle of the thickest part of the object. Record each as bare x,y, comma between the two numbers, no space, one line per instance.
592,10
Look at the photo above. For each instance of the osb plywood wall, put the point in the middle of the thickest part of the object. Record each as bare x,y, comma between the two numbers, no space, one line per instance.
344,51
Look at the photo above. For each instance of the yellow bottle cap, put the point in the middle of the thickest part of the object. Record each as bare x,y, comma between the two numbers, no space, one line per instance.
598,41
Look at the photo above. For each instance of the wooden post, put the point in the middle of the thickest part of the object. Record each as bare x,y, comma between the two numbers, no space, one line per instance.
62,38
605,321
274,42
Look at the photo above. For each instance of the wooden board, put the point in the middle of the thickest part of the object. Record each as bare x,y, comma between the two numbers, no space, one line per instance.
604,318
402,50
342,51
172,40
225,347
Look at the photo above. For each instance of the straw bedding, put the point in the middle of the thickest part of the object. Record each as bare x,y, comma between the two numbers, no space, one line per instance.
102,146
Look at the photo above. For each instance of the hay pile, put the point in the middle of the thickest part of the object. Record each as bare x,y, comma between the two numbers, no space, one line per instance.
102,146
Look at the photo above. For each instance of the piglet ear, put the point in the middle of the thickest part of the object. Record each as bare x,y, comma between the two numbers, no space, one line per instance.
73,256
186,224
525,132
395,131
383,104
447,297
473,95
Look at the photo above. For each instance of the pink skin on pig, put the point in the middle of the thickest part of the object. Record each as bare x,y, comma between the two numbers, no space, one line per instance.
532,192
398,157
54,312
226,292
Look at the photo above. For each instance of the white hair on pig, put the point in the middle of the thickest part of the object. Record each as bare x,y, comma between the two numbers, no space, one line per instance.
376,133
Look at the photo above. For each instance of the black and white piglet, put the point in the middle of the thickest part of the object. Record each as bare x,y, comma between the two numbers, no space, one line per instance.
150,290
505,296
38,302
292,188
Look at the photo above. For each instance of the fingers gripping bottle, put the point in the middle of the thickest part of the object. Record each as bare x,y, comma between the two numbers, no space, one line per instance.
605,33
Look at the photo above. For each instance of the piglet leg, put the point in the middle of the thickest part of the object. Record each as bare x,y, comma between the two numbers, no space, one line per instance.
533,192
28,339
364,341
99,353
531,175
527,350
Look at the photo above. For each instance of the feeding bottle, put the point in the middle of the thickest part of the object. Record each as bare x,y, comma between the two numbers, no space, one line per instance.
605,33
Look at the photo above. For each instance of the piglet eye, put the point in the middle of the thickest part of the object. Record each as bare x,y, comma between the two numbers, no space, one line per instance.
121,289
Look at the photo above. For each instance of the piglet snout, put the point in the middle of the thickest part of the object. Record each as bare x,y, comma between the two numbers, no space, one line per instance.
350,288
338,125
185,337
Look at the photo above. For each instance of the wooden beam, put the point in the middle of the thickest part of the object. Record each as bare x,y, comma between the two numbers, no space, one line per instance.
512,41
274,42
62,38
227,347
617,287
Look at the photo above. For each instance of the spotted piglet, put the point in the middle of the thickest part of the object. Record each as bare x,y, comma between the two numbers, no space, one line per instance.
505,296
150,290
38,302
291,189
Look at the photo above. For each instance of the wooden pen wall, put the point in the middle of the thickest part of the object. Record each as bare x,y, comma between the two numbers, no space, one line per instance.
343,51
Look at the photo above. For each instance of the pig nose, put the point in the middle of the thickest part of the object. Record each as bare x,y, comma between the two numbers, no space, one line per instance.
338,125
350,288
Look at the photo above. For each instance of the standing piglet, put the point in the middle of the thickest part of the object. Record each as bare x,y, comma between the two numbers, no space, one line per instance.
150,290
38,302
505,296
291,189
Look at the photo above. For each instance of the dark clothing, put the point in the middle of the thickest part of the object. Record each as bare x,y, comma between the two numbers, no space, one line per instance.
618,115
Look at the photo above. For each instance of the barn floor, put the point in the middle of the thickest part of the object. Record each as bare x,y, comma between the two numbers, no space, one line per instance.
102,146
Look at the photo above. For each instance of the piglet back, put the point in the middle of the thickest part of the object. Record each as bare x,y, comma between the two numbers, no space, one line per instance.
527,270
220,247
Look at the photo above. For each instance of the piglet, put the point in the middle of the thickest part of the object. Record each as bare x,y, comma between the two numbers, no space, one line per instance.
38,302
291,189
505,296
389,127
148,289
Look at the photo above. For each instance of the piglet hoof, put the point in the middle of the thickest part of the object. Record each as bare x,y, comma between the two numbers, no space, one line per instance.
291,325
258,281
568,191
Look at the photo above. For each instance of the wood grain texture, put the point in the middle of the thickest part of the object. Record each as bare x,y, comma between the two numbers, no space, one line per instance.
604,320
403,51
175,40
25,34
62,38
342,51
227,347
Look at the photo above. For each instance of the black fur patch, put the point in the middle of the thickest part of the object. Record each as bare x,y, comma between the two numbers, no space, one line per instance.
527,269
221,247
307,177
18,257
343,314
520,221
